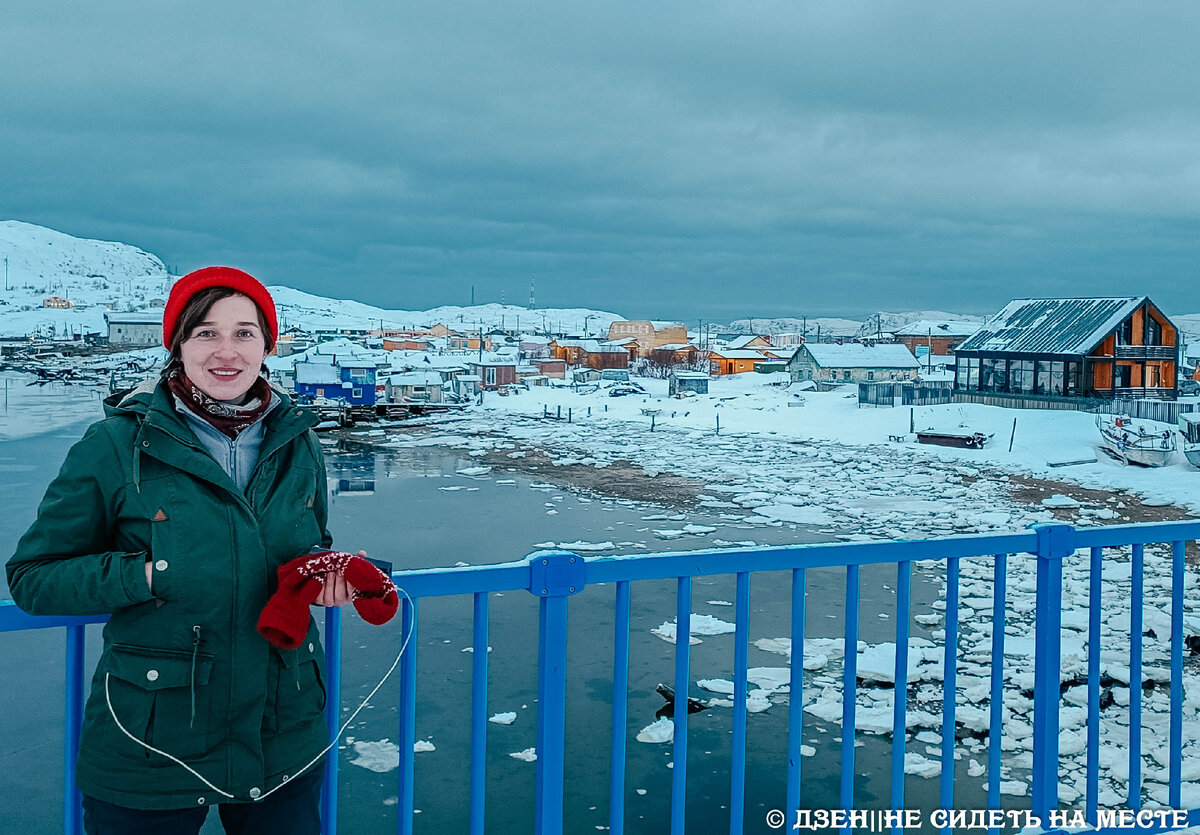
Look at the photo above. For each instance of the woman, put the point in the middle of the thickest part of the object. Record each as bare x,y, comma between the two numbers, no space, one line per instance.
173,515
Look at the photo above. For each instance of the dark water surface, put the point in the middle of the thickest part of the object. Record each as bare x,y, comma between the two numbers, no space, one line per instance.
391,505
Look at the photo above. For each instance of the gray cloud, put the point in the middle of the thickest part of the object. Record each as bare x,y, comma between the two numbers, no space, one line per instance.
701,159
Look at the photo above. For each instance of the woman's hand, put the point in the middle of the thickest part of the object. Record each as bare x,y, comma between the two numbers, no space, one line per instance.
335,591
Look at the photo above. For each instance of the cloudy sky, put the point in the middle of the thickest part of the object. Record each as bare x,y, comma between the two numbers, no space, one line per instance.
667,160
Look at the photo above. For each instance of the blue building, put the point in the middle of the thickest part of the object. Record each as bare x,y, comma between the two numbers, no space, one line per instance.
347,379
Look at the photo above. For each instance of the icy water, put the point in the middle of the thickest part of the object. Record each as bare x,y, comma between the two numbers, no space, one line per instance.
412,508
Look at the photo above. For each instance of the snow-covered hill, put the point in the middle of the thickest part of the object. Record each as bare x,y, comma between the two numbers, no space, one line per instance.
877,322
101,275
95,275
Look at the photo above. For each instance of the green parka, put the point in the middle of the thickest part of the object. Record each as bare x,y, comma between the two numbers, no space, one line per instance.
185,668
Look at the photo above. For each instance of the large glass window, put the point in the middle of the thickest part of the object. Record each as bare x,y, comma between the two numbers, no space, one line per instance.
967,373
1073,378
1125,332
1056,378
1154,331
1123,376
1020,376
1000,375
987,374
1041,377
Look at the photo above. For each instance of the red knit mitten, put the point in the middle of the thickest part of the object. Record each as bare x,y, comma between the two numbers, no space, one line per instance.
284,620
375,595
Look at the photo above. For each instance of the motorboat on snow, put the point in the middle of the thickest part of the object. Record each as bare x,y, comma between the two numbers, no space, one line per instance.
1189,430
1138,443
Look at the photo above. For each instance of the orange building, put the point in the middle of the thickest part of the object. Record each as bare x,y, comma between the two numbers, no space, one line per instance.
649,335
739,361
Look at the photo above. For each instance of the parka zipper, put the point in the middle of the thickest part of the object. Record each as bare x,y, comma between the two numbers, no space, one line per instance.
195,651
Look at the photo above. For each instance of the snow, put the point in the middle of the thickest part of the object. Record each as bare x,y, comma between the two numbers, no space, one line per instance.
663,730
503,718
381,757
528,755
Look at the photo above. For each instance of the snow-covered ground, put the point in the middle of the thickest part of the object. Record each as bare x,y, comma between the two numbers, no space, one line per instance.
761,423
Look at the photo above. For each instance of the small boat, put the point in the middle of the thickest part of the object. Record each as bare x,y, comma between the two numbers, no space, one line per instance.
1140,444
963,440
1189,428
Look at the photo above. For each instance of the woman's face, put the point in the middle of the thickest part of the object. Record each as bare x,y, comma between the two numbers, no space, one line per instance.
223,354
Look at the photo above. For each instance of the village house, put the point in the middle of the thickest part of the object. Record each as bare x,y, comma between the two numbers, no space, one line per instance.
734,361
335,378
414,387
134,328
674,354
1050,349
467,342
590,353
939,338
556,368
851,363
405,343
649,335
58,303
494,373
748,341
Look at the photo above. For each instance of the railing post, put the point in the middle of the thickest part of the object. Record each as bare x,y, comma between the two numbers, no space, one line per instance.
553,577
333,715
1053,543
72,799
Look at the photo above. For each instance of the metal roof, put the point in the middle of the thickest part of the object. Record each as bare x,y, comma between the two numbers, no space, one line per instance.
853,355
1052,326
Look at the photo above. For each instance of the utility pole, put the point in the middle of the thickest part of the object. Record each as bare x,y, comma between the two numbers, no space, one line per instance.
5,273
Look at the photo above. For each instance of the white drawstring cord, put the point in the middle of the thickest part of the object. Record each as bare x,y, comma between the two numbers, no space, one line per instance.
314,760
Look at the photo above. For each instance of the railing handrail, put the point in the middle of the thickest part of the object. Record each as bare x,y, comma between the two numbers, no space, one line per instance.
555,575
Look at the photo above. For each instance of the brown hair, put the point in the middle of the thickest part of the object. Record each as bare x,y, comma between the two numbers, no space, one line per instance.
196,310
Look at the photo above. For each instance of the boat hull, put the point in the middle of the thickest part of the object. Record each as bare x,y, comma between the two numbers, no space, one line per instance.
972,440
1123,441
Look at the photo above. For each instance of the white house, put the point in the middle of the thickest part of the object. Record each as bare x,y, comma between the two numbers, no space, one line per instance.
852,363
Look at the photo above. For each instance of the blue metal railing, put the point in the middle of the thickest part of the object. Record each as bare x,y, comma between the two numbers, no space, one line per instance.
555,577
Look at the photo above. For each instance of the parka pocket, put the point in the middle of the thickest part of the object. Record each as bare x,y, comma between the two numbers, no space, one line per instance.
162,696
300,687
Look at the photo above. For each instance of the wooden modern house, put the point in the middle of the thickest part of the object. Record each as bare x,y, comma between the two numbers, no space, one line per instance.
1051,349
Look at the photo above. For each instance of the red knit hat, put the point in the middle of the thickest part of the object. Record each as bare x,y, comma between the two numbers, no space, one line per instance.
202,279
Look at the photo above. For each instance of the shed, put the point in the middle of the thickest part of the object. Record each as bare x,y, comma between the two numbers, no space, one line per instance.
682,381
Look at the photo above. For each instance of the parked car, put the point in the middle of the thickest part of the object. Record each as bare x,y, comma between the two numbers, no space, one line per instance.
624,389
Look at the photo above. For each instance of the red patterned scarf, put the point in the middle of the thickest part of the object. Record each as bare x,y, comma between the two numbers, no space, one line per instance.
229,418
